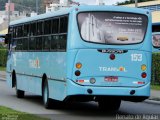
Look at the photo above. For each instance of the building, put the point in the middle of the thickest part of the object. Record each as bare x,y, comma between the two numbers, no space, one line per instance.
100,2
53,5
154,6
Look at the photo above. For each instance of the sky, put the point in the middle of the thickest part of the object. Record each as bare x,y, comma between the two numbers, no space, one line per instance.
107,2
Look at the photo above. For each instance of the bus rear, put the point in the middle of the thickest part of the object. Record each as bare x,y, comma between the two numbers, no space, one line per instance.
109,55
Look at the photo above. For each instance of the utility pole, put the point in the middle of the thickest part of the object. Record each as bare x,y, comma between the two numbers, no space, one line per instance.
136,3
37,7
9,5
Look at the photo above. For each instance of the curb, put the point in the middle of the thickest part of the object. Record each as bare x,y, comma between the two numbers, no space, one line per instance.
149,101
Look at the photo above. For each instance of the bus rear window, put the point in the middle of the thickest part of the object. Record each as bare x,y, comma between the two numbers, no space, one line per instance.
112,27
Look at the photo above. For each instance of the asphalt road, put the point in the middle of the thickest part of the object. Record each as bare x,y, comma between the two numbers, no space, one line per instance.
78,111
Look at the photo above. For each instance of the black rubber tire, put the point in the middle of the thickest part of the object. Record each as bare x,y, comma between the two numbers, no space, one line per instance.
109,104
19,93
46,100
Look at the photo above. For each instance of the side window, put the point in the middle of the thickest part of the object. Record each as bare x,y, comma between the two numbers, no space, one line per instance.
26,30
54,42
20,31
55,26
40,28
33,27
63,42
16,33
47,27
25,43
46,42
39,43
63,24
32,43
10,31
19,44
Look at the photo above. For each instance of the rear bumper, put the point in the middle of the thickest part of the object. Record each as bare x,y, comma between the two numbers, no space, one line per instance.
75,89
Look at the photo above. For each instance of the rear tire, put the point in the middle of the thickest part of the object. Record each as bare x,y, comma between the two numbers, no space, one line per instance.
109,103
19,93
45,93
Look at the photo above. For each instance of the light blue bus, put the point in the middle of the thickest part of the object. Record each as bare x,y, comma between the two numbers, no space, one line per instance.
85,53
156,37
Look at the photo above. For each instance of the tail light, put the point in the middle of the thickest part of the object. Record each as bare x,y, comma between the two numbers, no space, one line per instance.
77,73
144,75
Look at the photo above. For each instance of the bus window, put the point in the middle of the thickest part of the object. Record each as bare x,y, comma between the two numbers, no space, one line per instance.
33,29
54,42
39,43
156,40
55,26
47,27
19,31
112,28
19,44
32,43
63,24
62,42
40,28
26,30
25,43
46,42
14,32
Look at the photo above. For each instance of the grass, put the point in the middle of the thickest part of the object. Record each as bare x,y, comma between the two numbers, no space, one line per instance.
2,68
155,87
10,114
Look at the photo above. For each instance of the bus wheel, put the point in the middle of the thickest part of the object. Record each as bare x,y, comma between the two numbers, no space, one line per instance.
109,104
19,93
45,93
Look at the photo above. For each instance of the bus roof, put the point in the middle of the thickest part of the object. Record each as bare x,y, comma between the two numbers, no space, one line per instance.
81,7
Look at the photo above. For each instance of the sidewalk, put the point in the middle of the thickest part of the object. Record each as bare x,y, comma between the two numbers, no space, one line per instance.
155,95
2,75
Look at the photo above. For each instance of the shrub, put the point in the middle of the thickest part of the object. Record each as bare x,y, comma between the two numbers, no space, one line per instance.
3,57
155,68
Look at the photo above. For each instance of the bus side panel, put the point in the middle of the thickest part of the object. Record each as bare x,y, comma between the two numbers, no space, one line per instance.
9,68
57,90
30,67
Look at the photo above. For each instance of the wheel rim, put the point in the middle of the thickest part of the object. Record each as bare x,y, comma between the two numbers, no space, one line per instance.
45,94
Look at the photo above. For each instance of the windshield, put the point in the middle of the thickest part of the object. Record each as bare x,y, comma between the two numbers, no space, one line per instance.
112,27
156,40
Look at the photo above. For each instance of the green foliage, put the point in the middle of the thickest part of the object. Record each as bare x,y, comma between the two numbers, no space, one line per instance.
155,87
2,68
3,57
132,1
10,114
156,68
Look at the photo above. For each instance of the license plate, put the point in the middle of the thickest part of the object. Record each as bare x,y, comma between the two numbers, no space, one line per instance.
111,79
